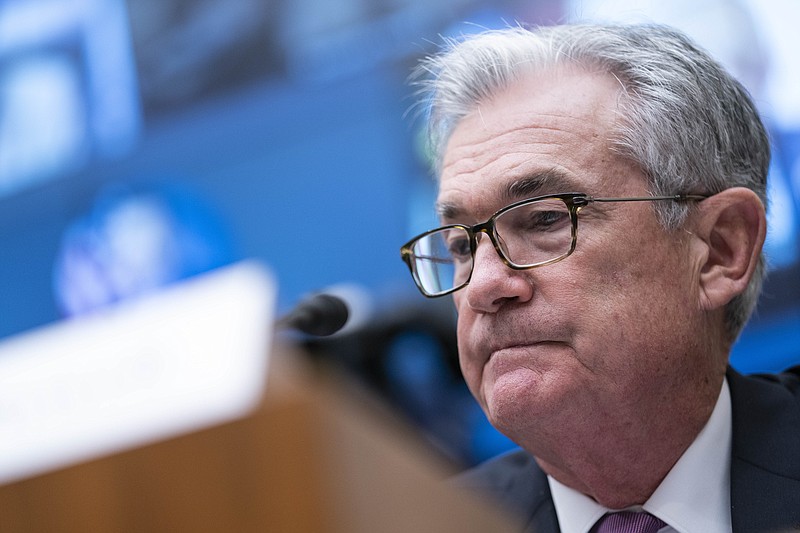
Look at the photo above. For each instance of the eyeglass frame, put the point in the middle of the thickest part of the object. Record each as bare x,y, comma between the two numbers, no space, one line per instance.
574,201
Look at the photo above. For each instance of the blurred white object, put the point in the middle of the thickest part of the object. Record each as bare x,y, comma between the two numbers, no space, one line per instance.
191,356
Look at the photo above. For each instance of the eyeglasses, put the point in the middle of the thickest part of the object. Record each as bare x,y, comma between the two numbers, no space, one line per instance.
526,234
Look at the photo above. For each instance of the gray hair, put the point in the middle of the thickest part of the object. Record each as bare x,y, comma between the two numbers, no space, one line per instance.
685,121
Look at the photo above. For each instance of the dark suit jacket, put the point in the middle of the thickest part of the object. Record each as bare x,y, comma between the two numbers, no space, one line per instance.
765,462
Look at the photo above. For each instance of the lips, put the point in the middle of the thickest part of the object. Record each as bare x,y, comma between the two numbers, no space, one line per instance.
512,348
519,360
534,356
484,338
527,346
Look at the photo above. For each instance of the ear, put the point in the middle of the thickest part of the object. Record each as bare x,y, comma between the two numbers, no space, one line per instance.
733,226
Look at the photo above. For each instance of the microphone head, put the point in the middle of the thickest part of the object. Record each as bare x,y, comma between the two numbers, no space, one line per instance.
320,315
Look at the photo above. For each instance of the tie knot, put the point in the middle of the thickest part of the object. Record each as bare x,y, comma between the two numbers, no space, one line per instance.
628,522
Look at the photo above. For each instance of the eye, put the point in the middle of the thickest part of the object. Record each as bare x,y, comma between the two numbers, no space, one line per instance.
458,246
546,220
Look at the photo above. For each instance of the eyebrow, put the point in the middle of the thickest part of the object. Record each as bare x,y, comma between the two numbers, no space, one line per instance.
545,182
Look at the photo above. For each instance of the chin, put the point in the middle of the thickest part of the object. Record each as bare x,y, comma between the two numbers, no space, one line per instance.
511,404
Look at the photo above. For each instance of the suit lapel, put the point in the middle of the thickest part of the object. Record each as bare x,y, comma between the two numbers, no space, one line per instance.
765,470
516,482
541,511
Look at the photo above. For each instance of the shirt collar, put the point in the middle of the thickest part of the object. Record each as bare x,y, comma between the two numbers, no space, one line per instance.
694,496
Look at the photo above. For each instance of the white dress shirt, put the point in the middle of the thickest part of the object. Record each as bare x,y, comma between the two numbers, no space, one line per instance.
694,497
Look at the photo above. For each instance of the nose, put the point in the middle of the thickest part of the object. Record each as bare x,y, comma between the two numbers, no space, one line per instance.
493,283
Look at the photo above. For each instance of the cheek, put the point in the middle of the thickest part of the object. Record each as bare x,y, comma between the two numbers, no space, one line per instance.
636,303
466,358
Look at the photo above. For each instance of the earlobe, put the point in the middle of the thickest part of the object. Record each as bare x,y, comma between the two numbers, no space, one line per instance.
733,226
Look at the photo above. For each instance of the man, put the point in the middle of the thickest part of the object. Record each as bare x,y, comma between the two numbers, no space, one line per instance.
602,191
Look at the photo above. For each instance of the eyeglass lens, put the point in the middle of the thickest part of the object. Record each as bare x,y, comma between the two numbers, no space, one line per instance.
527,235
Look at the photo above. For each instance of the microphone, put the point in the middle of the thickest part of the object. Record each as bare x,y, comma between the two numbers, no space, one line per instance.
319,315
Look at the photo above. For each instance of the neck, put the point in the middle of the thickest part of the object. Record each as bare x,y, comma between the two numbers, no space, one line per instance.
622,465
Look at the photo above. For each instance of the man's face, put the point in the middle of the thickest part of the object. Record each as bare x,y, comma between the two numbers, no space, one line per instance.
607,334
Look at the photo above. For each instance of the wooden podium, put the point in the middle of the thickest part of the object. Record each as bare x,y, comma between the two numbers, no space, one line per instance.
312,457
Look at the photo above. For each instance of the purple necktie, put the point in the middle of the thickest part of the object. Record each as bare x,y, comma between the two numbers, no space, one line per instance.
628,522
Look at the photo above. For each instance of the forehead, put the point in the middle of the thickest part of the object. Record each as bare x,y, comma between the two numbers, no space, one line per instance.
548,132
